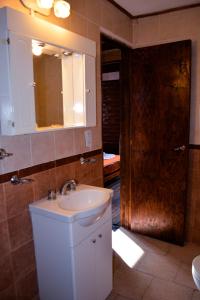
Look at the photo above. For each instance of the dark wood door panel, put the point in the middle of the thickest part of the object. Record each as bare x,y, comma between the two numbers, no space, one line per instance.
159,126
153,217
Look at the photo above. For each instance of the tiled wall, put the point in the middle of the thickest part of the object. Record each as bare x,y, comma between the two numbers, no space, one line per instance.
193,205
87,17
170,27
17,260
17,263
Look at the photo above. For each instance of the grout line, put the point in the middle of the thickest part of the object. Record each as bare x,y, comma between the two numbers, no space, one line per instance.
145,291
31,152
177,271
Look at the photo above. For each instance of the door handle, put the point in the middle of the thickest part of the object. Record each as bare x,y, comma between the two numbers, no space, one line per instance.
181,148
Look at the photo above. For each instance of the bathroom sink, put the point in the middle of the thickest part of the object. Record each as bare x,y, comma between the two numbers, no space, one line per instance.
82,200
87,204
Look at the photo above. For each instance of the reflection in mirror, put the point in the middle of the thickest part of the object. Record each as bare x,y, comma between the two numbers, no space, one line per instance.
59,86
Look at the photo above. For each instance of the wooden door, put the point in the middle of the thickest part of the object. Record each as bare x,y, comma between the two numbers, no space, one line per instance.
159,136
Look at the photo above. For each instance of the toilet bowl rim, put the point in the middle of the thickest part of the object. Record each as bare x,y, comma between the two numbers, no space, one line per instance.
195,273
196,265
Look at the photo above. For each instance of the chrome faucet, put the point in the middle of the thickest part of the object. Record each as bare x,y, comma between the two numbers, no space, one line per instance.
69,185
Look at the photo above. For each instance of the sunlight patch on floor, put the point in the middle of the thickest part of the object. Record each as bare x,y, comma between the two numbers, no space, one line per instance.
126,248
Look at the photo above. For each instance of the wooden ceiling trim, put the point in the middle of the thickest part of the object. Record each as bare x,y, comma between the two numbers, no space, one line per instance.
153,13
121,9
167,11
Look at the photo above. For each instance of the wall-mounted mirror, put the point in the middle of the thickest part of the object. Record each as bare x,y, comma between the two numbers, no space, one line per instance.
48,80
59,86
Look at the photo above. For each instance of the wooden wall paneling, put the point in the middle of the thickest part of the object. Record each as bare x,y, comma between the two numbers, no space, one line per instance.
111,110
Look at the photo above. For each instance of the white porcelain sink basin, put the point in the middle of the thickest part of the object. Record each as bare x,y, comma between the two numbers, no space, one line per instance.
86,205
82,200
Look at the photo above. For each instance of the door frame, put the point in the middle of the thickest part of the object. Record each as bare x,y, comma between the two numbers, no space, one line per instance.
124,123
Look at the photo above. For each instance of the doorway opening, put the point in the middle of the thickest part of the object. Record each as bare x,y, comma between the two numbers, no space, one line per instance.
111,83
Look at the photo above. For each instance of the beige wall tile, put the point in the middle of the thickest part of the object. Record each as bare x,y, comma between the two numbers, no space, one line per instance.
8,293
17,198
6,277
43,182
146,30
42,147
20,230
106,15
3,214
78,24
93,32
27,287
92,11
122,25
4,245
97,182
79,141
191,21
96,134
23,259
85,19
171,21
64,173
87,173
78,6
171,27
64,143
20,147
193,199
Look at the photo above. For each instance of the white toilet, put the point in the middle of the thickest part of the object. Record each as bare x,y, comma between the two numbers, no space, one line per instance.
196,271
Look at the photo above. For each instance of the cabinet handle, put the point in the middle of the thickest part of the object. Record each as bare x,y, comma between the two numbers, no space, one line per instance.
94,241
100,235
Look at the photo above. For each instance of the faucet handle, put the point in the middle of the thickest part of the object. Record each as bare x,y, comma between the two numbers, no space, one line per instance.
51,195
69,185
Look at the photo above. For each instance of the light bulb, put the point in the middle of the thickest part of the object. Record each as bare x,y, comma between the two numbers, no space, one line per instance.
47,4
78,108
37,47
61,9
37,50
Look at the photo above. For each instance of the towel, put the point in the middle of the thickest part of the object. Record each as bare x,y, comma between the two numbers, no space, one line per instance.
108,156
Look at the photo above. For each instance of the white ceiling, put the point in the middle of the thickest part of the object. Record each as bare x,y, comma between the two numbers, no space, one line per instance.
141,7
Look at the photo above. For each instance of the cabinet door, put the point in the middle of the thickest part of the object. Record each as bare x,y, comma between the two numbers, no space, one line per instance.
21,84
90,90
84,269
103,262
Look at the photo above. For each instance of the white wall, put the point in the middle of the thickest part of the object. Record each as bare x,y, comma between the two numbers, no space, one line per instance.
170,27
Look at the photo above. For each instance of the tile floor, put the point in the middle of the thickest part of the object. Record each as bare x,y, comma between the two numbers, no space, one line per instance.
162,271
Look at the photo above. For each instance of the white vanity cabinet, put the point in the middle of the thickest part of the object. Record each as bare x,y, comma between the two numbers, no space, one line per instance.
92,260
16,85
74,261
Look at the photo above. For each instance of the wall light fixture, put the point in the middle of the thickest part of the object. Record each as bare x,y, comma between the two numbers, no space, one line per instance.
37,47
61,7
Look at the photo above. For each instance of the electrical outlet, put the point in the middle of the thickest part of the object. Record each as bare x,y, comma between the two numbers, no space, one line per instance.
88,138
